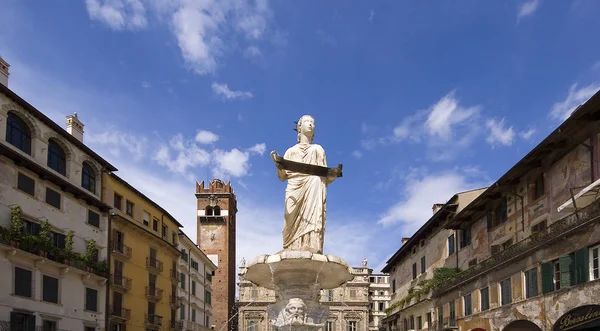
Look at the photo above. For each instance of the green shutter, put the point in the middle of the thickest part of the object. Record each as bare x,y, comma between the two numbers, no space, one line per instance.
566,271
547,283
582,267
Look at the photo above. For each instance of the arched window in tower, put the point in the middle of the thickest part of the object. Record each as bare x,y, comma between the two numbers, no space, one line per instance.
252,326
217,211
208,211
18,133
56,157
88,178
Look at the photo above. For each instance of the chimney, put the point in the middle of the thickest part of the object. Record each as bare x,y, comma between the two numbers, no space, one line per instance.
75,127
404,240
436,207
4,72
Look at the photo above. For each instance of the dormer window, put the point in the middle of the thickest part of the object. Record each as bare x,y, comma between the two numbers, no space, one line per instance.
18,133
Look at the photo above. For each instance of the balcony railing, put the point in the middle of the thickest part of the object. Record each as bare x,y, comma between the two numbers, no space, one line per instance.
153,292
154,320
193,326
122,250
557,230
174,275
120,312
174,301
176,325
153,263
121,281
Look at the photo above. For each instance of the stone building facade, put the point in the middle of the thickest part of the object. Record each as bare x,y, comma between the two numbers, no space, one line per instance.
348,305
196,272
379,299
414,263
217,209
54,225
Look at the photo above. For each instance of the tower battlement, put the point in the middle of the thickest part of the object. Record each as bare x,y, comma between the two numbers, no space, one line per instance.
214,186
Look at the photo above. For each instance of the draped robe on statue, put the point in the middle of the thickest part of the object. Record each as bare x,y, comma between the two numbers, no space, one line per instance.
305,198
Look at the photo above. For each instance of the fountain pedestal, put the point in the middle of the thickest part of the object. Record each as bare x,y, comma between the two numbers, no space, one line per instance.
297,277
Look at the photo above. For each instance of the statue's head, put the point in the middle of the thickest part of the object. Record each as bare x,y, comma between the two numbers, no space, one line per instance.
306,126
296,306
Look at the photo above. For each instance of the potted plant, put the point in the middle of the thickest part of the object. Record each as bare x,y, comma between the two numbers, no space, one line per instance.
68,251
43,240
91,254
16,226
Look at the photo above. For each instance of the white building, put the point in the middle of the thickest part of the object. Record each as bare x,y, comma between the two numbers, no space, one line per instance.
379,297
49,177
195,279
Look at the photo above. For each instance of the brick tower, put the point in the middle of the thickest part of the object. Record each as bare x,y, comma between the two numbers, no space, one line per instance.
217,207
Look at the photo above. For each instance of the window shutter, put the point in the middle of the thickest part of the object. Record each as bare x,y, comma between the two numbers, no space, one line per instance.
582,267
547,280
489,220
566,271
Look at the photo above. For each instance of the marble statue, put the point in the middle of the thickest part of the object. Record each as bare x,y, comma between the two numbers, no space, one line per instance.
364,262
306,193
294,313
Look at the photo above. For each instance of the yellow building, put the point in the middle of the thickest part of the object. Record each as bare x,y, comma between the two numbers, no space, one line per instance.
143,260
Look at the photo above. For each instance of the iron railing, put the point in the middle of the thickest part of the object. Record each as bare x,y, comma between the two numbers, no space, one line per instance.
555,231
122,249
153,292
174,275
153,263
120,312
154,320
174,301
121,281
176,325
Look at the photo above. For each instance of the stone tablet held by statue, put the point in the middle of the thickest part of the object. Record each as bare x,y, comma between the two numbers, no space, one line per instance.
304,166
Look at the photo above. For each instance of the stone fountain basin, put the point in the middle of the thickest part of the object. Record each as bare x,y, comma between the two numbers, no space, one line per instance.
293,268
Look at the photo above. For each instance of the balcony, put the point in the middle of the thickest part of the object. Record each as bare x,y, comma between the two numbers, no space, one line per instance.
121,282
154,293
559,229
174,275
121,250
176,325
174,301
193,326
153,321
121,313
154,264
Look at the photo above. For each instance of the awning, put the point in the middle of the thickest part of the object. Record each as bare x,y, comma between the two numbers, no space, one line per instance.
584,198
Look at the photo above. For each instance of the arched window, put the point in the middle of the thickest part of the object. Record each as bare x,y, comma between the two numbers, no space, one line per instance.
88,178
208,211
252,326
56,157
18,133
217,211
405,324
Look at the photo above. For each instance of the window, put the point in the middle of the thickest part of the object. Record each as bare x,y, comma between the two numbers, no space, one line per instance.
484,293
88,178
419,322
91,328
468,304
182,280
91,299
501,211
56,158
174,238
452,313
118,201
329,326
567,271
252,326
207,297
18,133
414,270
217,211
129,208
146,218
193,287
330,295
93,218
539,227
440,316
155,224
353,294
182,312
26,184
412,323
465,237
49,289
48,325
164,231
505,292
451,245
393,286
594,261
57,240
538,187
381,306
194,264
184,255
22,321
193,315
352,326
429,322
23,282
423,264
52,198
531,284
254,293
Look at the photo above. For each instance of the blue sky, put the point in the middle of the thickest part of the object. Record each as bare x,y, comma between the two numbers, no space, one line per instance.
418,100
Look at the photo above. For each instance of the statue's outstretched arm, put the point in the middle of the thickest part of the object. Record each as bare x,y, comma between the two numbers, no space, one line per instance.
281,174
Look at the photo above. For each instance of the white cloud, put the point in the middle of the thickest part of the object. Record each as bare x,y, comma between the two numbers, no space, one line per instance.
117,141
118,14
258,148
226,93
232,163
498,133
371,15
528,8
420,193
563,109
206,137
445,114
252,51
527,134
180,155
357,154
409,128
